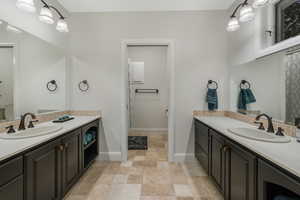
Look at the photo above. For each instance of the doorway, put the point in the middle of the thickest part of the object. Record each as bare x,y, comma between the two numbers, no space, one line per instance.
148,101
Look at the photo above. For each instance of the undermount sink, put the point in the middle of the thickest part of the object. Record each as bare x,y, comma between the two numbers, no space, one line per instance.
31,132
259,135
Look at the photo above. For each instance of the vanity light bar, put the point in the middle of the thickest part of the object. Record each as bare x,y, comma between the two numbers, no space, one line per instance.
247,14
46,15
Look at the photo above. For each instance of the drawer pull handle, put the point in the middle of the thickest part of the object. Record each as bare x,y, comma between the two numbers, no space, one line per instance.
61,147
226,148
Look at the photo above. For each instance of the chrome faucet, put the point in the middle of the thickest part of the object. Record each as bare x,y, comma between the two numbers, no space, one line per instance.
270,123
22,122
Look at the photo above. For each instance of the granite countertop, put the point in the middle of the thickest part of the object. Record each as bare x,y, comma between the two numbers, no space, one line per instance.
9,148
285,155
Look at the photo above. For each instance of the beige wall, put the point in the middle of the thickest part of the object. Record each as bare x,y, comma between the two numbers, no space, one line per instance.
200,54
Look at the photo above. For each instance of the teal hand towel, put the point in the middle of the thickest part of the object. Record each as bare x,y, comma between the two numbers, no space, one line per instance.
250,96
212,99
246,96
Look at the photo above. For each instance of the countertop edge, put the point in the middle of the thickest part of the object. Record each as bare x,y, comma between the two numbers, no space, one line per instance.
42,141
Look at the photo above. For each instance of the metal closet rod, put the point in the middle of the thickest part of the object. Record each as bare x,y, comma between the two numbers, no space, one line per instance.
55,9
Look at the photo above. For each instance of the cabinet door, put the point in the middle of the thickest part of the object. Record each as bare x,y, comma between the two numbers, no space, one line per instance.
202,136
240,174
202,144
202,157
43,172
12,190
217,159
71,160
275,184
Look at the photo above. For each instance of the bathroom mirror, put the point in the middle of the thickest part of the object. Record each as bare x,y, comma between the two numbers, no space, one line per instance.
27,64
275,83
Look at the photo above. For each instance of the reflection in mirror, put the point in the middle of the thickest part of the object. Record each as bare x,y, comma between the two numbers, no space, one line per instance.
280,21
27,63
275,83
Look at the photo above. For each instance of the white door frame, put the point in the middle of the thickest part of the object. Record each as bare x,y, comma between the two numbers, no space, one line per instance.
16,74
124,104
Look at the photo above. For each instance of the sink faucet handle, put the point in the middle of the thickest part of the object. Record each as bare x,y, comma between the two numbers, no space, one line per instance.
261,125
280,132
31,125
10,129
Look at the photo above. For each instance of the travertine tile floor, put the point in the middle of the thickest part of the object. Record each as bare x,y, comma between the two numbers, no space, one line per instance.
147,175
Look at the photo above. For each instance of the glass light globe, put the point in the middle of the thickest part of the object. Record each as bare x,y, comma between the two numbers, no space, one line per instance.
62,26
26,5
259,3
46,16
246,14
233,24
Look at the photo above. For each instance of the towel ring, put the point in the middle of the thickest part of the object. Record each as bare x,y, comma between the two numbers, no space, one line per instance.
210,82
244,82
83,86
52,85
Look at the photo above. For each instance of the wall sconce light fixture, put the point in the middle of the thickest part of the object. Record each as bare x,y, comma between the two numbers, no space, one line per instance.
46,15
247,14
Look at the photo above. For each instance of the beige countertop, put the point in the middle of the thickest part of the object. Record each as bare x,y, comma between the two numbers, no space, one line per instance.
9,148
285,155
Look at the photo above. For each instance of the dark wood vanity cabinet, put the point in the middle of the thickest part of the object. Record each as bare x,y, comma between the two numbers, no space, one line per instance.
232,168
274,184
240,173
217,159
48,171
43,172
52,169
71,159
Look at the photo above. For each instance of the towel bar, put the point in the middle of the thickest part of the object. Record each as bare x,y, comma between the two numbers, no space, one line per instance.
147,91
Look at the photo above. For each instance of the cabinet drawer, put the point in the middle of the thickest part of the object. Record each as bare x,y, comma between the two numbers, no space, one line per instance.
12,190
11,170
202,157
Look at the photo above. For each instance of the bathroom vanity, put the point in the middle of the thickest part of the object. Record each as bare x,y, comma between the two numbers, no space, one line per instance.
245,169
46,167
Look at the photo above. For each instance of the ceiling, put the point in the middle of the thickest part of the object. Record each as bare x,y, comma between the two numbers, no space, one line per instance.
143,5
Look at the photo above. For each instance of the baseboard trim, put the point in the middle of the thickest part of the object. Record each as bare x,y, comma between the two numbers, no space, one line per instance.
184,157
110,156
149,129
